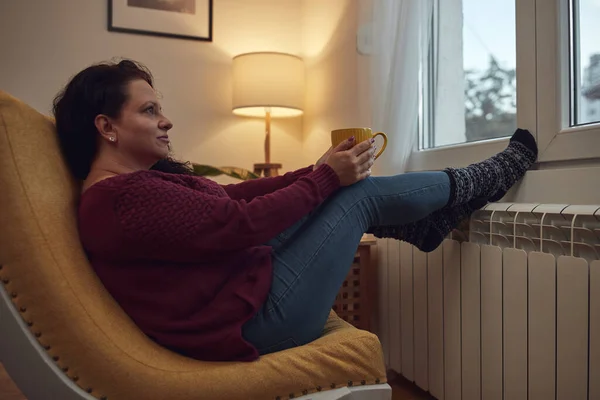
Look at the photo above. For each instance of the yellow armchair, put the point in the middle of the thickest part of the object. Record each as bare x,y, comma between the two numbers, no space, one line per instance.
62,336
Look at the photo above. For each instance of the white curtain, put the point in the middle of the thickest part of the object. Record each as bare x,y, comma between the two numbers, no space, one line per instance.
400,37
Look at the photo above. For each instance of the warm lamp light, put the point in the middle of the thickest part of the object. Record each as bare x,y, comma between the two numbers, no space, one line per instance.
268,85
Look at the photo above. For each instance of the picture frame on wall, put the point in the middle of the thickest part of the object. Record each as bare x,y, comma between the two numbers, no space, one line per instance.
181,19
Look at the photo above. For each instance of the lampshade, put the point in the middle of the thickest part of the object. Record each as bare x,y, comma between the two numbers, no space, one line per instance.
268,80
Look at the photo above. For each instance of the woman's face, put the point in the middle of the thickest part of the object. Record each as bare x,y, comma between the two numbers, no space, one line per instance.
141,129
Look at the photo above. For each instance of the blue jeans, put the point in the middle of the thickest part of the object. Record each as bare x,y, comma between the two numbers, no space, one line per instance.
312,258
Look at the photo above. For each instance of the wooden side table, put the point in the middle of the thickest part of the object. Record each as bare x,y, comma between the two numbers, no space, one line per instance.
355,301
268,169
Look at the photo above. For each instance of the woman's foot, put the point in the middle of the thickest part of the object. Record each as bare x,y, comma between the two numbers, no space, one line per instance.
493,177
445,222
428,233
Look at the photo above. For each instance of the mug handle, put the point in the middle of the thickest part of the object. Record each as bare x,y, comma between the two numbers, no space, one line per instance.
384,143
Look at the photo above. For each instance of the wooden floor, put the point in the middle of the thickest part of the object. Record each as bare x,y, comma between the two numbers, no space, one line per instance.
405,390
8,390
401,389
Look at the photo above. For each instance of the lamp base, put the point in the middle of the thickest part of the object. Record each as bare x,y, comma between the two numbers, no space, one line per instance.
268,169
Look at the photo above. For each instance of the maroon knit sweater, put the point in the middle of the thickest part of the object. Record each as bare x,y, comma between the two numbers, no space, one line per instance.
185,257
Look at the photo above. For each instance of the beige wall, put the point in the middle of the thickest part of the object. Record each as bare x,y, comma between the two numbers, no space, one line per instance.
333,91
43,43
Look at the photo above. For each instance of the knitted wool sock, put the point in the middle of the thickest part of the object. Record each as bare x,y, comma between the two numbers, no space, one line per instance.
493,177
444,223
428,233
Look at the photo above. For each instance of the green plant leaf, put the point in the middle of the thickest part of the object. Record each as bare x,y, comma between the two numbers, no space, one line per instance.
234,172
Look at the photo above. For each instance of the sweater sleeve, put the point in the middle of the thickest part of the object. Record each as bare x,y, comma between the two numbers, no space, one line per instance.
170,219
248,190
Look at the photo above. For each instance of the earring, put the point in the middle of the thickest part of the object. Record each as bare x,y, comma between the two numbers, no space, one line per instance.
112,139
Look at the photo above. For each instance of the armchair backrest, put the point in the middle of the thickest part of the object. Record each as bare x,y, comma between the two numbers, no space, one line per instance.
44,267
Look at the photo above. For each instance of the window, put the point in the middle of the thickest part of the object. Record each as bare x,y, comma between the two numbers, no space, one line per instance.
566,80
474,62
585,61
496,65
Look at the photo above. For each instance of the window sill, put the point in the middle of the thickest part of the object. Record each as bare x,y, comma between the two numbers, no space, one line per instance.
558,186
560,177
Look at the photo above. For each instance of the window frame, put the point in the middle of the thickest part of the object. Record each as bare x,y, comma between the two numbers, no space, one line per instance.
557,140
543,91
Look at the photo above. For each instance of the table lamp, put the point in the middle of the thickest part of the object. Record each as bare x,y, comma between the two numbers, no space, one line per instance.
268,85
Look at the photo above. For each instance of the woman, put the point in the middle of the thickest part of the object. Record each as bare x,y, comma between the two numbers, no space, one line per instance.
231,272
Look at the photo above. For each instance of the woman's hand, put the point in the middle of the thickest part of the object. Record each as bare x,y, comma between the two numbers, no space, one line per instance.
323,158
352,164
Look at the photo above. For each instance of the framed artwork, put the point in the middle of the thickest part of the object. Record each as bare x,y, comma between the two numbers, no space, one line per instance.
183,19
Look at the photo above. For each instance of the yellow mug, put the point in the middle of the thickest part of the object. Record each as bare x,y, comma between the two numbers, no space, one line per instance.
360,135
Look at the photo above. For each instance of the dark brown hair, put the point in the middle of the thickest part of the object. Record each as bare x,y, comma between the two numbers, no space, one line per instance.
98,89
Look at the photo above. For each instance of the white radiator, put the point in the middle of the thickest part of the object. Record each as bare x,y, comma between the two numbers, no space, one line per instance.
508,309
